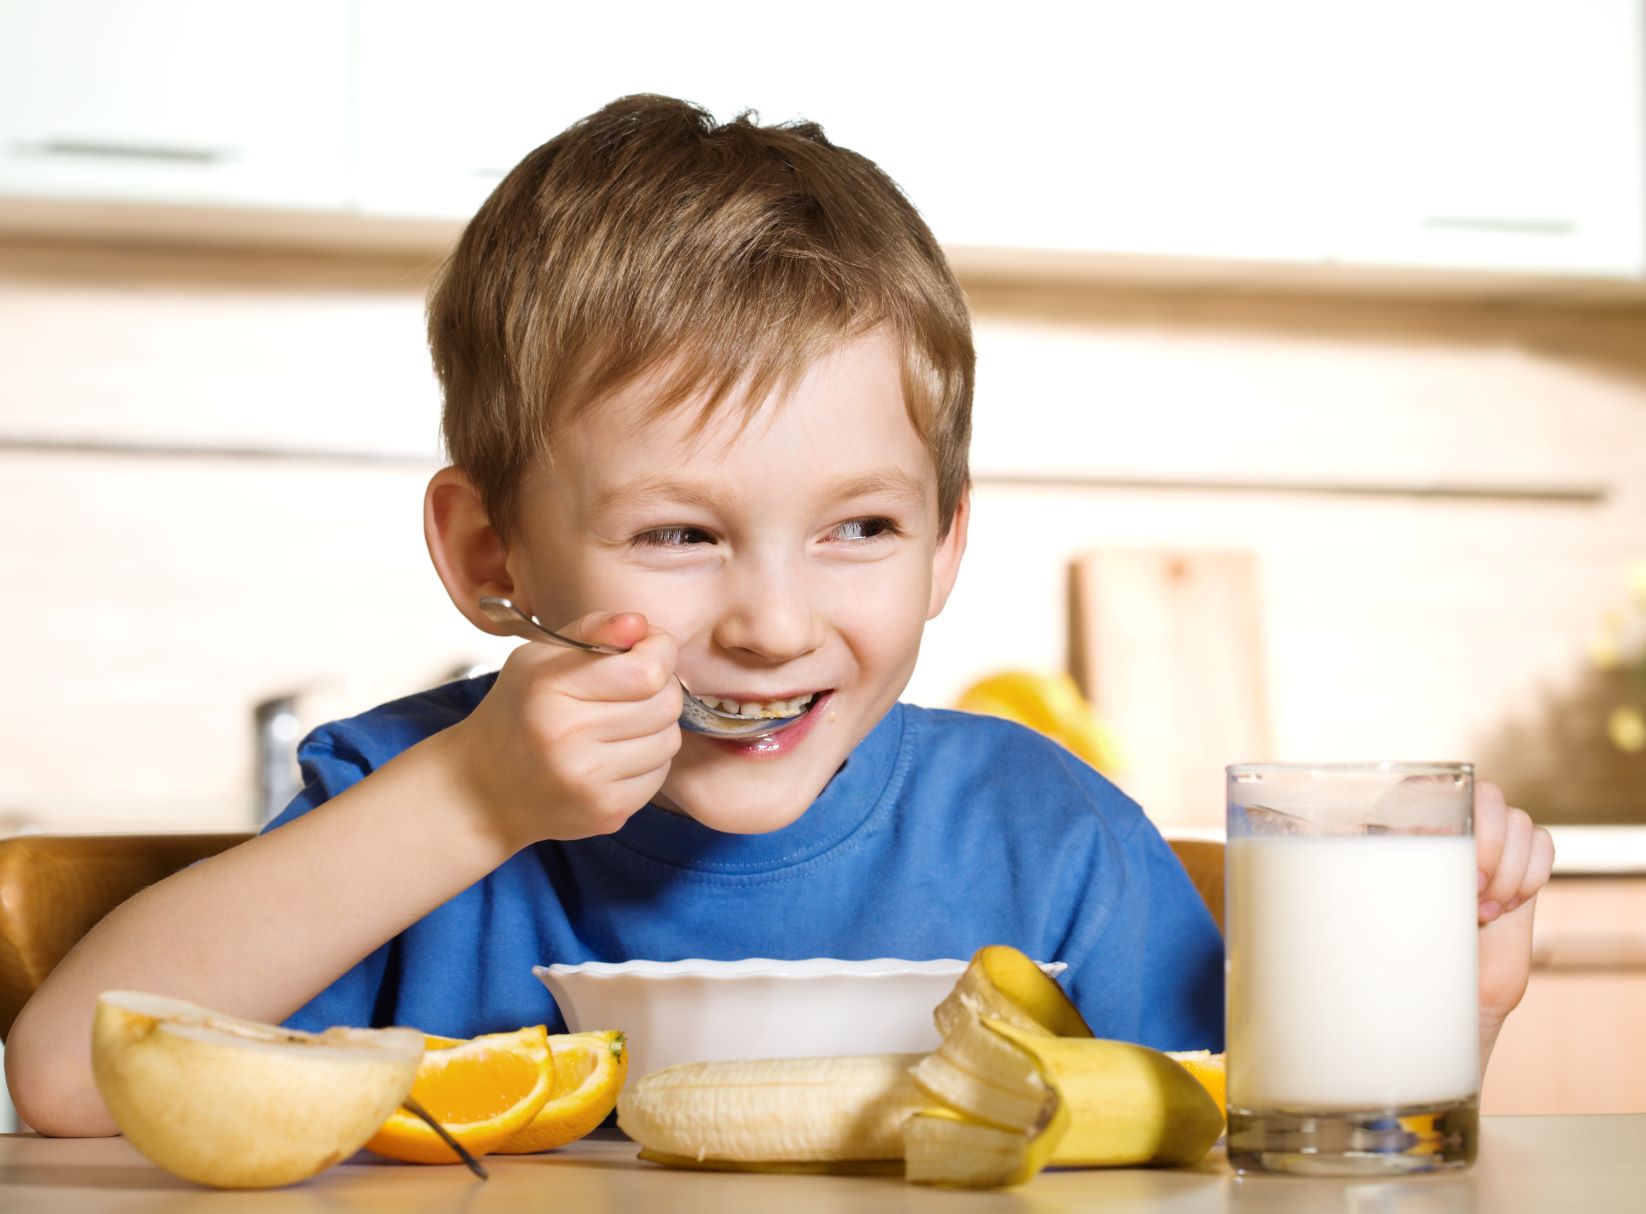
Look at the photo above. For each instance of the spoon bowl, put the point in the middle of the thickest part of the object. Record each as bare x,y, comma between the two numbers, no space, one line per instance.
695,715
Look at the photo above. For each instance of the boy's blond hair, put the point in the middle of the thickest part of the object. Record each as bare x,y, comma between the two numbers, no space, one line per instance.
647,238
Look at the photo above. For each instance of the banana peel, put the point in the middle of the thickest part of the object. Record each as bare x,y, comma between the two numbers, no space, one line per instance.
1127,1104
1048,703
1002,982
1102,1104
1016,1096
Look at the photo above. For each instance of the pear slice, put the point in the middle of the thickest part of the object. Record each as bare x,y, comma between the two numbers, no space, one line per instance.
237,1104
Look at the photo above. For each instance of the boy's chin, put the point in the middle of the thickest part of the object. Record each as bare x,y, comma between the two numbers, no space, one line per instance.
732,818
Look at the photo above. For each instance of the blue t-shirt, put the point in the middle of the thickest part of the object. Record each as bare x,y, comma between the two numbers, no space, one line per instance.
943,832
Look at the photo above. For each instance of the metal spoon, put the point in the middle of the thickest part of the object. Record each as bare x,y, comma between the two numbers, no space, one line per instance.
695,715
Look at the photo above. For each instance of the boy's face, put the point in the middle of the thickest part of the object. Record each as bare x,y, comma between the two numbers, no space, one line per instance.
797,557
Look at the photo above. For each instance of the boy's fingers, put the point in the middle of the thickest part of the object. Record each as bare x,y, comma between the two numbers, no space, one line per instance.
628,797
1505,953
644,670
1491,820
636,757
1504,885
1539,865
618,629
649,718
614,721
606,722
643,673
643,787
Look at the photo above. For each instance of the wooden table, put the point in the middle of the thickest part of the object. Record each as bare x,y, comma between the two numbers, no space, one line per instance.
1528,1165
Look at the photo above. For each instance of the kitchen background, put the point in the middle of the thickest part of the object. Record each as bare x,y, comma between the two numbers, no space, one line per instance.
1311,411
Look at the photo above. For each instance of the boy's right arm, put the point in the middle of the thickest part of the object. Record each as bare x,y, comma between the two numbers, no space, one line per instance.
564,746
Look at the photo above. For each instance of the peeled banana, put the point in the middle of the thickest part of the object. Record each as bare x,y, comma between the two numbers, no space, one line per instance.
942,1146
781,1110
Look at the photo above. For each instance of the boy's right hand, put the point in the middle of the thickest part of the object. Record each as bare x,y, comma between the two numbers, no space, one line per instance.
570,744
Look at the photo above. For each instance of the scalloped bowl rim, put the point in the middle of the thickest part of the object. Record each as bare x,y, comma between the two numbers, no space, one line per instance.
697,1010
766,967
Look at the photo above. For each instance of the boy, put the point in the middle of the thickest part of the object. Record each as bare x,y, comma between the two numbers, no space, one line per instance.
707,396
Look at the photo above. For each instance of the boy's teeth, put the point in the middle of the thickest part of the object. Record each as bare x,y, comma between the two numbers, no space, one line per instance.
771,708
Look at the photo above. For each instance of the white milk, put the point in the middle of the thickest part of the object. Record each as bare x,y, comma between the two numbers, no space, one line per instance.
1352,980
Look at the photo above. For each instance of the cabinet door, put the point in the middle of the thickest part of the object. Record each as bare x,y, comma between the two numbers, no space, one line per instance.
448,101
184,101
1159,128
1480,134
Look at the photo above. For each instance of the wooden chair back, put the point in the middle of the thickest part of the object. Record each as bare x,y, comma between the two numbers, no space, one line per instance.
53,888
1203,860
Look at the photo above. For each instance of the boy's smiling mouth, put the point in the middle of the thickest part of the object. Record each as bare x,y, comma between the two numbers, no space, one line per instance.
765,747
753,708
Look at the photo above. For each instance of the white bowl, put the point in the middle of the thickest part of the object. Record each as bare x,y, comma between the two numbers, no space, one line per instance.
714,1011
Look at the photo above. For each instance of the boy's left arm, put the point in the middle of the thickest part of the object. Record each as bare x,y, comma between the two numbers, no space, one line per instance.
1515,857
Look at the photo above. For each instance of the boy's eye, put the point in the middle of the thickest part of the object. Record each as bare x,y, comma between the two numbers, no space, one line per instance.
863,529
672,537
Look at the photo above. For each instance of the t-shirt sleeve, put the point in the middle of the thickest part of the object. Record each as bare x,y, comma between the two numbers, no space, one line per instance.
329,764
1145,956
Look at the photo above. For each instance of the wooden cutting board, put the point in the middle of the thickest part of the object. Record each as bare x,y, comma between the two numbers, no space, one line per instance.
1167,645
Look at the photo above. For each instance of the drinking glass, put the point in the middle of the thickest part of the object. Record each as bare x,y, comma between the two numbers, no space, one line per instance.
1353,1018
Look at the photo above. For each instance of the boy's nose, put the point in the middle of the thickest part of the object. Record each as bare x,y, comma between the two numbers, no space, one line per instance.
768,614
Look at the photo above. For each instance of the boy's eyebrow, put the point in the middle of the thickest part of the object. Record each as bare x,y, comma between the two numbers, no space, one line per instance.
893,481
645,490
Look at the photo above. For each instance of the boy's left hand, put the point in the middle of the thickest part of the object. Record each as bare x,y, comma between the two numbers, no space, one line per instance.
1514,857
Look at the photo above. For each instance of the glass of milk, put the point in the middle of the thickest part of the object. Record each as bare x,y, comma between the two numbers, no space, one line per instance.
1353,1025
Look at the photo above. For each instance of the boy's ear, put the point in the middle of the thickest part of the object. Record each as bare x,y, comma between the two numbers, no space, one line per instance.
946,560
466,549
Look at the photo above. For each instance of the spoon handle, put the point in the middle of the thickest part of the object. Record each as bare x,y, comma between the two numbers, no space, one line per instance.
695,715
517,623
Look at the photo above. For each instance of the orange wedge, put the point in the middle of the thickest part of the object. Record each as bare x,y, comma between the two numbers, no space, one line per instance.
1206,1067
483,1091
589,1073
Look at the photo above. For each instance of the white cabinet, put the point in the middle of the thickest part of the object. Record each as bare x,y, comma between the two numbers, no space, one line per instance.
177,101
1053,126
448,102
1460,134
1453,135
1115,127
449,99
1492,134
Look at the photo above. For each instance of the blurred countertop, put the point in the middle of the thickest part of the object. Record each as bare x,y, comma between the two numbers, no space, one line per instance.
1585,851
